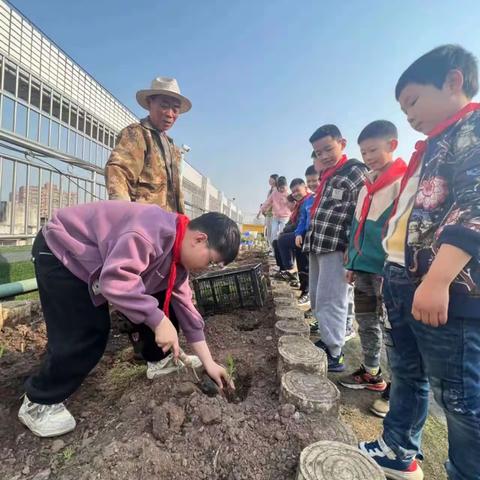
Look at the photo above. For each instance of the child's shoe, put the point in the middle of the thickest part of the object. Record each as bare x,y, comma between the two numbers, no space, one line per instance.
168,365
393,467
304,300
362,379
381,406
46,420
336,364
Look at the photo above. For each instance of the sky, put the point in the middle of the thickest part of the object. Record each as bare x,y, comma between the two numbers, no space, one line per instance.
262,75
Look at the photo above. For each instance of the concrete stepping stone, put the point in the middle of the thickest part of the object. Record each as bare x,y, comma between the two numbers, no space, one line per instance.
299,353
292,327
328,460
284,301
289,313
310,393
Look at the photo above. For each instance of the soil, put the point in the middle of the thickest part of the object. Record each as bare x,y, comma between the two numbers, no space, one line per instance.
131,428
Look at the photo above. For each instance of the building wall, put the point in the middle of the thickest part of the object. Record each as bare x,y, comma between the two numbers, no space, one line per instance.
58,126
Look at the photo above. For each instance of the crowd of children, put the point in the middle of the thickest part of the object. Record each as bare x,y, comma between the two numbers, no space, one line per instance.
408,239
405,238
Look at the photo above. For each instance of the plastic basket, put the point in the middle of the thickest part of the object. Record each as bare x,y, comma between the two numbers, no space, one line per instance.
226,290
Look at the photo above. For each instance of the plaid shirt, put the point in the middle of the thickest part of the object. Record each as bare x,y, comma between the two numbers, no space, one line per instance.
330,226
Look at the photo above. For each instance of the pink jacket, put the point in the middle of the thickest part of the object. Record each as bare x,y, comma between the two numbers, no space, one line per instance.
278,202
123,251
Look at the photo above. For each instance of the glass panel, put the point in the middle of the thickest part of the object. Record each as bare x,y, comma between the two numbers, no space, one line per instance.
33,125
81,120
7,113
20,198
88,128
72,142
46,100
95,130
86,150
10,80
63,139
65,109
23,85
21,120
73,117
55,191
54,135
6,196
79,151
1,63
64,200
56,106
33,202
35,93
100,133
44,129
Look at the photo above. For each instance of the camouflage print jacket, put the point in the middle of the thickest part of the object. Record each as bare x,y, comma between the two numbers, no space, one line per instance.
145,167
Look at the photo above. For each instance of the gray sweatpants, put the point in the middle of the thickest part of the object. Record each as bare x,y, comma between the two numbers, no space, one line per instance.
370,314
328,298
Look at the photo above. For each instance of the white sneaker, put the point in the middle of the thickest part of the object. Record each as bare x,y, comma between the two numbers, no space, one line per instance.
168,365
46,420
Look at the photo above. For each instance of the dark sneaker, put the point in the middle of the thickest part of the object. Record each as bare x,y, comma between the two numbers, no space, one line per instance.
393,467
304,300
336,364
281,275
360,379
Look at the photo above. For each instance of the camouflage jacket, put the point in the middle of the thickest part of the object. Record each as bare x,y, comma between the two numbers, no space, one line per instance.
139,169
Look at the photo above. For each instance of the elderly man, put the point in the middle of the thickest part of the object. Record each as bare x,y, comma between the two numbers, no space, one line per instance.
145,164
145,167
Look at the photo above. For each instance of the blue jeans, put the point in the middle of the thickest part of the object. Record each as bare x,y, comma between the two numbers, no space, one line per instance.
278,224
446,358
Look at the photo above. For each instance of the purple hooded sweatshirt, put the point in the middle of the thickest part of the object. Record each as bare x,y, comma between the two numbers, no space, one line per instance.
123,251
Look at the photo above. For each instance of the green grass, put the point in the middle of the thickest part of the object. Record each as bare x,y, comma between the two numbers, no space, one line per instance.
13,249
14,272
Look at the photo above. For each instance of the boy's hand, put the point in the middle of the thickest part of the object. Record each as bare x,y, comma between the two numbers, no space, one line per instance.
350,276
166,337
217,373
298,241
430,303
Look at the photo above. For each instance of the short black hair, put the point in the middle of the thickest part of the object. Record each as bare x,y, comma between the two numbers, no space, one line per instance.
313,154
310,171
297,181
378,129
281,182
326,131
433,68
223,234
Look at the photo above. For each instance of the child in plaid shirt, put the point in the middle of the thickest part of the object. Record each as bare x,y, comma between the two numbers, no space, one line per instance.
327,238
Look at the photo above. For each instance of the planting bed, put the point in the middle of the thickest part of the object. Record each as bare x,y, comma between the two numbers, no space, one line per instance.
130,427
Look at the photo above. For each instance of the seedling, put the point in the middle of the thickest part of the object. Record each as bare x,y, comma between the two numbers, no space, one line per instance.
231,368
2,350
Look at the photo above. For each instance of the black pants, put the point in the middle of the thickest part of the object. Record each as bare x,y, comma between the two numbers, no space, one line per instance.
77,331
287,249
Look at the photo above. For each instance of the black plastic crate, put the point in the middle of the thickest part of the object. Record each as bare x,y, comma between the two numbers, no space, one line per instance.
226,290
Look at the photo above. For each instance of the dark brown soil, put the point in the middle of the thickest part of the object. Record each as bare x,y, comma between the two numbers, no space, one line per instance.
131,428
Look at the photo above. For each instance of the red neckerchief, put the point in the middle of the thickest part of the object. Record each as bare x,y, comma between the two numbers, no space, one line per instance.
326,175
296,209
421,146
182,223
393,173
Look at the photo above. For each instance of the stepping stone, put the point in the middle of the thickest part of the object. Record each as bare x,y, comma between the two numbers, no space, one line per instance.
292,327
284,301
289,313
336,461
333,429
310,393
299,353
282,291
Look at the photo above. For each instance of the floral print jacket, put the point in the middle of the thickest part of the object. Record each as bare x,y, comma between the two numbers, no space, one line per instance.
447,205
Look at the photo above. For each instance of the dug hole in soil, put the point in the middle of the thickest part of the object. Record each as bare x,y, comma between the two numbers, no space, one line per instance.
131,428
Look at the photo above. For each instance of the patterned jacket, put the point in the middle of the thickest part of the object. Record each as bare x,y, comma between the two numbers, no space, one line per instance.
446,208
145,167
329,228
